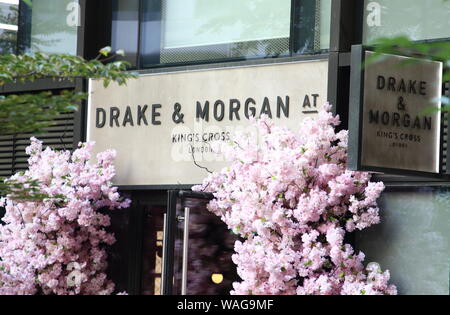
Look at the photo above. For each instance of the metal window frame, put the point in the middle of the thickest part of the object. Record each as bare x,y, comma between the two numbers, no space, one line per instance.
24,24
296,5
346,20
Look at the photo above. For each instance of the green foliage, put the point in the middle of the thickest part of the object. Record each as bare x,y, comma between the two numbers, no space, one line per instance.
28,2
28,190
401,45
105,51
32,112
33,66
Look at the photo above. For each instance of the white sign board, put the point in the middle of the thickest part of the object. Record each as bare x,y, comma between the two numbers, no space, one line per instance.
397,133
163,125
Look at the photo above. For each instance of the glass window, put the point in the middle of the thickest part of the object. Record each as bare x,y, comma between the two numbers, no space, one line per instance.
152,247
311,26
125,28
119,253
418,19
9,18
215,22
412,240
191,31
324,23
50,26
135,259
211,270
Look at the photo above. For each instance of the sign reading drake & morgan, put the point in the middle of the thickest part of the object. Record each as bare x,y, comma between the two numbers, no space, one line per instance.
397,132
163,126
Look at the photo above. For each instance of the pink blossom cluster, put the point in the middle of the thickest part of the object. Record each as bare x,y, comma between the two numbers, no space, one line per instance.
292,200
56,245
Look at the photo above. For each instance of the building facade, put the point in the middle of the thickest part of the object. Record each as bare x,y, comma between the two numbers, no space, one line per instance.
220,62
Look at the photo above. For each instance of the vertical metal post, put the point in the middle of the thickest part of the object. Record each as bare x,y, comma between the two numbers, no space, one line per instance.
185,252
345,31
446,136
169,243
163,264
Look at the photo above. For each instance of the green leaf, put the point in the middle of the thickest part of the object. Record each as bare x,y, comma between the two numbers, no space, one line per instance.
28,3
32,113
105,51
430,110
401,45
72,108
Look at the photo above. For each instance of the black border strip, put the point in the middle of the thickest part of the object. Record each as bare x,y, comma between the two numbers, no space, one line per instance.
446,86
154,187
195,194
236,64
355,108
169,242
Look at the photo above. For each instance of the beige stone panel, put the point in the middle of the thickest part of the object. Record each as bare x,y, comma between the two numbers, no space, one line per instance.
147,154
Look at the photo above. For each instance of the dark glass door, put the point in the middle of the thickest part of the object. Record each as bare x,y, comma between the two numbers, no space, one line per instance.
197,248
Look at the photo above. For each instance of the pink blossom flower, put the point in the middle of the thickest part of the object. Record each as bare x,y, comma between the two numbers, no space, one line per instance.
291,198
57,245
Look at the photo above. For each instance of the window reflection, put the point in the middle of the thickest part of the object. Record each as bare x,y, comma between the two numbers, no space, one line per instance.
9,19
193,31
125,28
417,19
413,239
211,246
54,26
216,29
152,250
119,253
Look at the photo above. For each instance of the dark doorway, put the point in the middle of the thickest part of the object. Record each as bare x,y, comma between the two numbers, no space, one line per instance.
198,248
169,243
